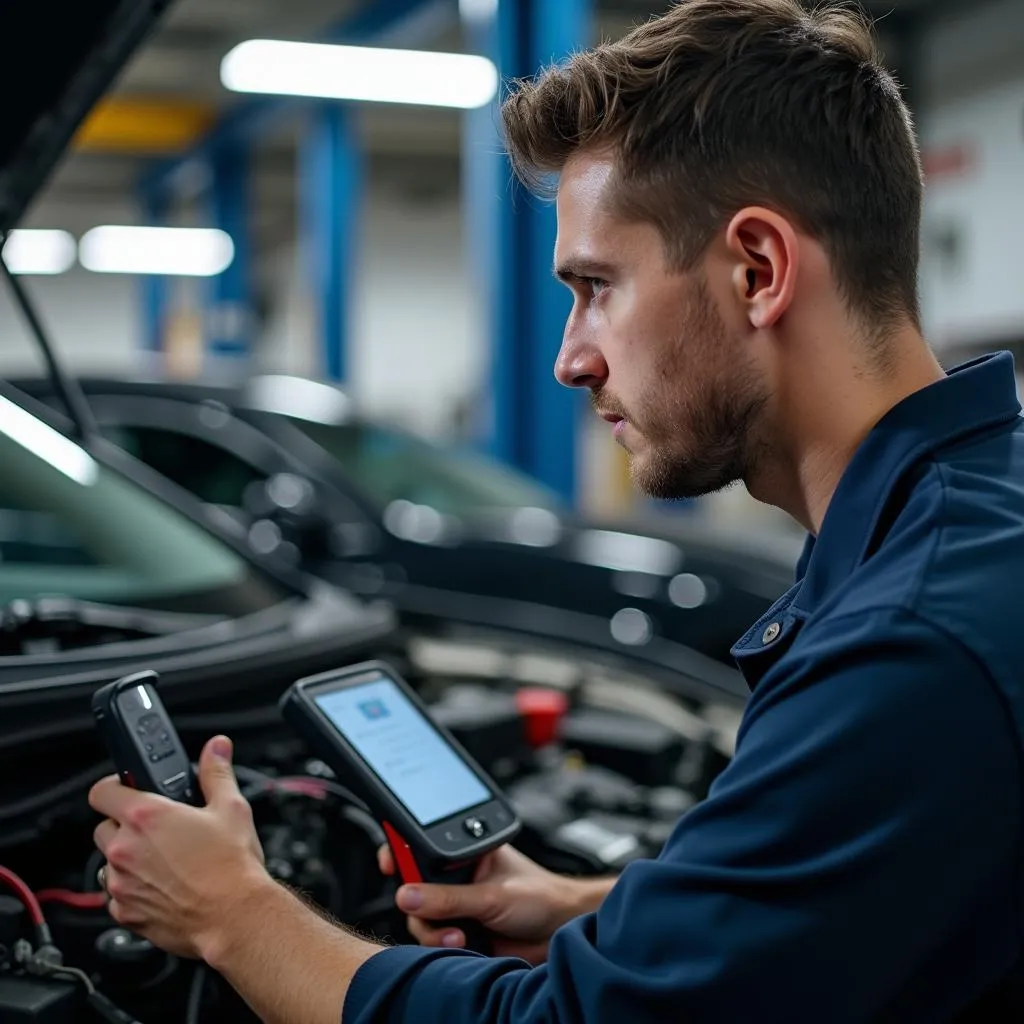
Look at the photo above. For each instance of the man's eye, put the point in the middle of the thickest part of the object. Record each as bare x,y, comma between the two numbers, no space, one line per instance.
596,285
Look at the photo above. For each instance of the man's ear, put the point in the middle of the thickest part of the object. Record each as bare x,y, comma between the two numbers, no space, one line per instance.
766,252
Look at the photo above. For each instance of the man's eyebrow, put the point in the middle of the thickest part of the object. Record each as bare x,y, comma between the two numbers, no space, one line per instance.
578,269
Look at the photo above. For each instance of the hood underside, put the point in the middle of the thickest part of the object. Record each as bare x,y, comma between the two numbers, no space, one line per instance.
61,57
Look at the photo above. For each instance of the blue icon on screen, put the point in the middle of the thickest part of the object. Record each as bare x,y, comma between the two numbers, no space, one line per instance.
374,709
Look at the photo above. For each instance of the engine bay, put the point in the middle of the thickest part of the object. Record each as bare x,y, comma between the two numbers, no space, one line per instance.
600,764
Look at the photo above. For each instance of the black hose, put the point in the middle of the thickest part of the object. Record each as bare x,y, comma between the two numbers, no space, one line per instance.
195,995
55,794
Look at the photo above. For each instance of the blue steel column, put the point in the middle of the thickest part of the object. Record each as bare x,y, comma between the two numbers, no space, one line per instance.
535,419
329,202
229,312
483,172
154,286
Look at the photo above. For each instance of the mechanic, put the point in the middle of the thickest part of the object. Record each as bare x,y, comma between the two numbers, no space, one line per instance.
739,199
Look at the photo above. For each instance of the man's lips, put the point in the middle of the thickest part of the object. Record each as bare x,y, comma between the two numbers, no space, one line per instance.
618,422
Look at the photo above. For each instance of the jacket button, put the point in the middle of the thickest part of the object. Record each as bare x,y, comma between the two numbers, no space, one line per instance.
771,633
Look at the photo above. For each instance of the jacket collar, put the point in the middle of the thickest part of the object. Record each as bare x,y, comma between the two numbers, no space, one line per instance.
971,398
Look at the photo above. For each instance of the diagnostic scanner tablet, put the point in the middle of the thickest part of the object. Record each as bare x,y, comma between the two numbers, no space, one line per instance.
439,809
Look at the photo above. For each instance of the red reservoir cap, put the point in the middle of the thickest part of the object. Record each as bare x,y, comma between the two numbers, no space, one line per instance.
543,710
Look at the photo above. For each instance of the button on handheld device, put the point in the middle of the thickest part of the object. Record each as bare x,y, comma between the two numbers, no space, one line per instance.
440,811
142,742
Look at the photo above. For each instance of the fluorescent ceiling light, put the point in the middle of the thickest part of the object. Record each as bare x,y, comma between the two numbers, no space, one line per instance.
371,74
30,251
184,252
47,444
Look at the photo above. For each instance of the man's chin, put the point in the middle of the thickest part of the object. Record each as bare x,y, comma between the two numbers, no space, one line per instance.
651,478
664,480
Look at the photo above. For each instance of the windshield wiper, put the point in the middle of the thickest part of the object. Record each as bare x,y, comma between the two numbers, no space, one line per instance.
50,624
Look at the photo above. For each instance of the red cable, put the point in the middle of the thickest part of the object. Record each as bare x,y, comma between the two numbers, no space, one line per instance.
301,784
78,900
25,894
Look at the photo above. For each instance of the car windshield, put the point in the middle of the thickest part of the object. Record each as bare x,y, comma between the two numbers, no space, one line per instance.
390,465
71,526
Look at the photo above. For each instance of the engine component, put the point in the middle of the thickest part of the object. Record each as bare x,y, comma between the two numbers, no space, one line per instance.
702,763
489,725
598,777
669,803
543,708
594,818
638,748
39,1001
127,959
12,921
553,797
608,840
294,852
294,842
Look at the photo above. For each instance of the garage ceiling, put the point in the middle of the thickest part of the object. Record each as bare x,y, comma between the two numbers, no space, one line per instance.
413,152
183,57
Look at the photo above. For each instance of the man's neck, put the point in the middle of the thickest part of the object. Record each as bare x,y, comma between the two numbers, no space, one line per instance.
826,408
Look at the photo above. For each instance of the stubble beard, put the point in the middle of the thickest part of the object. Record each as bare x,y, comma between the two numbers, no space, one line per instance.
699,428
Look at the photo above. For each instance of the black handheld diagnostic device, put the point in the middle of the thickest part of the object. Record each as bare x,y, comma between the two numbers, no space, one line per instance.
440,811
141,739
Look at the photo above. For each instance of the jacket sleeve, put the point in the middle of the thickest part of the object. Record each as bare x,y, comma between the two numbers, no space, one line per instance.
864,838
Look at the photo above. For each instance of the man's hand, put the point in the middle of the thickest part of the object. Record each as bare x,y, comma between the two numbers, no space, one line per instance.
518,901
176,873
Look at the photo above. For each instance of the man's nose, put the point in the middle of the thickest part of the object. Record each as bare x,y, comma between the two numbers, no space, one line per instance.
580,364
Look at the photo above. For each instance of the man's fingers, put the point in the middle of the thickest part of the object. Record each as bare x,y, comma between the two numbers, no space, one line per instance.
425,935
111,799
385,861
104,833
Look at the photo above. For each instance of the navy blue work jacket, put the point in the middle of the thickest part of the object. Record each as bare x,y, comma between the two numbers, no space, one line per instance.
860,859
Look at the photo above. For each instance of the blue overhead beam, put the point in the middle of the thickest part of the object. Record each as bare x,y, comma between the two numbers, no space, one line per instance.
378,22
330,184
534,419
229,306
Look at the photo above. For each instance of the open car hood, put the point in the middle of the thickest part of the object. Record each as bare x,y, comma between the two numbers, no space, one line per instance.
62,57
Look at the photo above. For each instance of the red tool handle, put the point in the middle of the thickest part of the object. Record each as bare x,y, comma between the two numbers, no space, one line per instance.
477,937
405,862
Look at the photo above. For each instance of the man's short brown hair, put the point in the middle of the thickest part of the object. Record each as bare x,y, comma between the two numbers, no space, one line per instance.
719,104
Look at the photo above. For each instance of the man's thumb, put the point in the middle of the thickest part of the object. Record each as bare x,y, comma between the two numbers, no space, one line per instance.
216,776
443,902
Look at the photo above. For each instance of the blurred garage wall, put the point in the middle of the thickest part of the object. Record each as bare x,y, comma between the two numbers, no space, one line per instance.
417,322
420,341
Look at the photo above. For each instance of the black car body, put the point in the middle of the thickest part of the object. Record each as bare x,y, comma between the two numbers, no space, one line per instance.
441,532
106,568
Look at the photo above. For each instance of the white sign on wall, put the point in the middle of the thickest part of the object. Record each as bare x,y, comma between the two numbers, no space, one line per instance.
972,271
